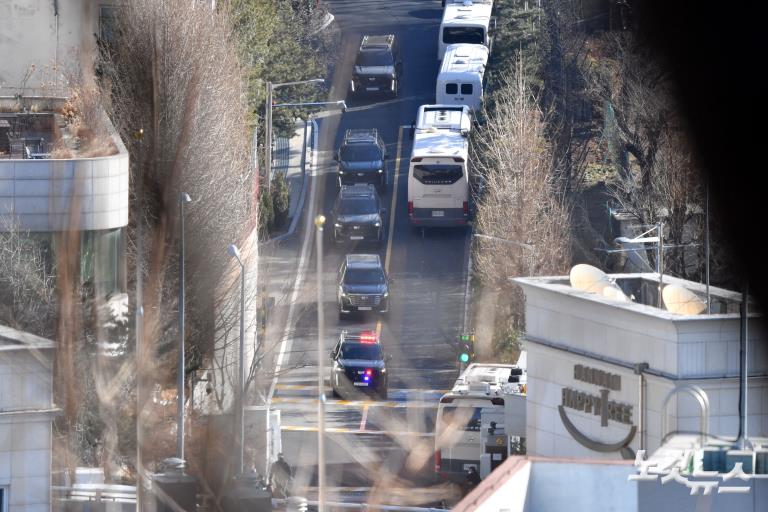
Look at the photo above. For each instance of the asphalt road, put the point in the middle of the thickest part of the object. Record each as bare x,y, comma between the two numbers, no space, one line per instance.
373,443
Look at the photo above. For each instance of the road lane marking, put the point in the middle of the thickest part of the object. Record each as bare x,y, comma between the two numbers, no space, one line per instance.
391,226
378,329
365,417
287,339
313,387
392,404
342,430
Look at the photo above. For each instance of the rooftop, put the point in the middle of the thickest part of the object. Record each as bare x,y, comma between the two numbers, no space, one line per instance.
468,13
465,58
12,339
52,128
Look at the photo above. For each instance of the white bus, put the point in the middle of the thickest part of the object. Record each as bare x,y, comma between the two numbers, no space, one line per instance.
461,77
465,21
477,418
438,176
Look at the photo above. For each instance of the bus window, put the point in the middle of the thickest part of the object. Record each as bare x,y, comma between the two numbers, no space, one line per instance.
451,88
437,174
466,89
466,417
470,35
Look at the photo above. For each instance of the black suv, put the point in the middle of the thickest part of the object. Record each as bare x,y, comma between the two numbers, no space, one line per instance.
363,285
378,68
362,157
357,214
359,363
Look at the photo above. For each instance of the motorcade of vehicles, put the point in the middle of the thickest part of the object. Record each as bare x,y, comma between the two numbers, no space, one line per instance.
438,173
481,421
465,21
359,365
461,77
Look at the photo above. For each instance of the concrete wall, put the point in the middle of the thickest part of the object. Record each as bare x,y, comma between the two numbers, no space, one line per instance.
54,195
568,485
550,370
34,35
686,350
25,427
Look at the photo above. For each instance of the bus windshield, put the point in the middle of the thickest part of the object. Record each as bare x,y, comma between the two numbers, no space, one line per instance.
437,174
470,35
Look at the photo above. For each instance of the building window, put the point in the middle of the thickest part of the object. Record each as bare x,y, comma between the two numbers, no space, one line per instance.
3,499
451,88
101,261
107,24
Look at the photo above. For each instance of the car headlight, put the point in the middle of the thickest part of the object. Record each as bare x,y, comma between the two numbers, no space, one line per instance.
377,224
339,368
383,370
386,295
380,171
342,293
337,224
341,171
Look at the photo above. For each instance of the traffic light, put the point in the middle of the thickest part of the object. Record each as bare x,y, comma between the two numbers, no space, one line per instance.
466,348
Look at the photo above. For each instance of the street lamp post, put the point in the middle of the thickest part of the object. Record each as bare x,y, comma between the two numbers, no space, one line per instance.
319,221
235,253
268,122
183,198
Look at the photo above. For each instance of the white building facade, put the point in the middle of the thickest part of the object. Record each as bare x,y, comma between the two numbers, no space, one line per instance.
26,413
607,378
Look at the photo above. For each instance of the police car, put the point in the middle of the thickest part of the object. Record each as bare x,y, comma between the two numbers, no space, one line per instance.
359,364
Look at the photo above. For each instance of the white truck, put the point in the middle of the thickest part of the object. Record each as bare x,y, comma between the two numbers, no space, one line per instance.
481,421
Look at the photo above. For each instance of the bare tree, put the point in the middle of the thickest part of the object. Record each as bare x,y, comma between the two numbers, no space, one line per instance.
27,285
519,203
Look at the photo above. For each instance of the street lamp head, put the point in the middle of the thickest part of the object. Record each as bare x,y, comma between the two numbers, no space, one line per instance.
234,252
184,198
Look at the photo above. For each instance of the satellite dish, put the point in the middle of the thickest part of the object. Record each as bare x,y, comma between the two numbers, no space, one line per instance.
681,300
612,291
588,278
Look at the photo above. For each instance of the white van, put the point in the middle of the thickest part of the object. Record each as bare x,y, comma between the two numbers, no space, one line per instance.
460,81
464,21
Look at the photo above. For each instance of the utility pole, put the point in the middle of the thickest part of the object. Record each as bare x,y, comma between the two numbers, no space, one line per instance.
319,222
268,137
183,198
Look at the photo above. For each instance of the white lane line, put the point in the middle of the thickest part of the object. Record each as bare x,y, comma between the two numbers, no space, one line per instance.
341,430
286,341
364,418
307,401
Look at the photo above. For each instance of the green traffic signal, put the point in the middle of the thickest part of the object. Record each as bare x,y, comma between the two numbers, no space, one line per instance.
463,357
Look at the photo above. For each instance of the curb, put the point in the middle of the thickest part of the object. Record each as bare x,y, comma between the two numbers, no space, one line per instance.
312,148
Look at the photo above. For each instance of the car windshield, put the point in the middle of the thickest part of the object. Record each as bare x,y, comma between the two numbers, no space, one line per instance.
470,35
374,58
360,153
357,206
370,351
364,276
